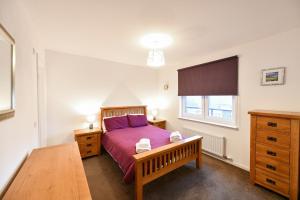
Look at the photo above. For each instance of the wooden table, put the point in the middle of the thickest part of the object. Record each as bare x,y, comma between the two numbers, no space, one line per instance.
54,172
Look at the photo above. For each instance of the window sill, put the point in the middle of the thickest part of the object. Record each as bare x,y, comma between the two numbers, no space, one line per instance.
211,123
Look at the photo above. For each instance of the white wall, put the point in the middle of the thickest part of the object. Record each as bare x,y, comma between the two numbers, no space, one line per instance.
18,135
42,98
280,50
77,86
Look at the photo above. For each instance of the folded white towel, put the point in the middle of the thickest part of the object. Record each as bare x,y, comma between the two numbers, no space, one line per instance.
143,145
141,150
175,136
144,141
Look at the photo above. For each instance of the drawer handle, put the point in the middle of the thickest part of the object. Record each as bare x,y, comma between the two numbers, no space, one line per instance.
271,153
88,138
271,167
89,152
272,124
270,181
273,139
88,145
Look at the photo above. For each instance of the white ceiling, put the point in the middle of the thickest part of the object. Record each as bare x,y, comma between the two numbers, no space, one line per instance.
111,29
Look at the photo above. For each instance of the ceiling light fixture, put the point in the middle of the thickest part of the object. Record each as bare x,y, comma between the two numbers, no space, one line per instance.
156,58
156,42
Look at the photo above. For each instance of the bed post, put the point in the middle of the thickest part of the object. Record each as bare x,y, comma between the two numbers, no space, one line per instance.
138,181
198,159
100,120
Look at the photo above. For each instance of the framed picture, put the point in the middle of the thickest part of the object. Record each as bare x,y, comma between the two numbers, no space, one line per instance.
273,76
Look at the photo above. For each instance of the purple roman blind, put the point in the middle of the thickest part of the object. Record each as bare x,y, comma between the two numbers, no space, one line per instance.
218,77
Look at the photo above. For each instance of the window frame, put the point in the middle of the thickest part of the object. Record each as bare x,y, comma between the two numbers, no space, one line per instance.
205,118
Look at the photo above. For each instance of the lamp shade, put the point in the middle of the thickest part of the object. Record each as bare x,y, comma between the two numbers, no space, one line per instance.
91,118
154,112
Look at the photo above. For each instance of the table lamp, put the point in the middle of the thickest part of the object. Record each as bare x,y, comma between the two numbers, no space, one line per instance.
154,113
91,119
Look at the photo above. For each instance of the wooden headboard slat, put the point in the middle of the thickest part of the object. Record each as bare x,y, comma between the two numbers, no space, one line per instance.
119,111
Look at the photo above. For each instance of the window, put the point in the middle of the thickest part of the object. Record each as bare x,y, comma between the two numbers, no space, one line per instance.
193,105
220,107
208,92
211,109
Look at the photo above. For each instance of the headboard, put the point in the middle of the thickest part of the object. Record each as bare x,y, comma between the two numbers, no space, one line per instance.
119,111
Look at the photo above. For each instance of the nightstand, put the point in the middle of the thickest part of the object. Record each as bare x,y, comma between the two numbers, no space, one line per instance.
160,123
89,141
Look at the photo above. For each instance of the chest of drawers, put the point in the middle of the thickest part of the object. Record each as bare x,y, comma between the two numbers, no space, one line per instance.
274,149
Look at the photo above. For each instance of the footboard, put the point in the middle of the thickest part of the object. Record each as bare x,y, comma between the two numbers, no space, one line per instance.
157,162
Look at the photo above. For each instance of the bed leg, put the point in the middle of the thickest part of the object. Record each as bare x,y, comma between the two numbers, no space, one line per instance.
138,192
138,182
199,158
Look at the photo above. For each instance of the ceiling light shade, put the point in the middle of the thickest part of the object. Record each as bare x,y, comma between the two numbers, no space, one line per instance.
156,40
156,58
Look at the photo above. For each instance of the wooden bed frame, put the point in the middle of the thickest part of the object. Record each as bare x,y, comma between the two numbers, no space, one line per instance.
152,164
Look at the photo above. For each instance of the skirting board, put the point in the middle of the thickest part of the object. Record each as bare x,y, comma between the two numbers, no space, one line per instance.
243,167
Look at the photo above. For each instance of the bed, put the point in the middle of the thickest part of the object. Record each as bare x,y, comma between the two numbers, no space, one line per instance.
148,166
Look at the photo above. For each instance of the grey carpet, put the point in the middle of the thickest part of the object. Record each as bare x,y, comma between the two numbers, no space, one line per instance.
216,180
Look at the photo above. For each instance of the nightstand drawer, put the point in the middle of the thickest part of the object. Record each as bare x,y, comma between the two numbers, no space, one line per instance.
87,138
275,124
87,145
273,153
88,150
161,125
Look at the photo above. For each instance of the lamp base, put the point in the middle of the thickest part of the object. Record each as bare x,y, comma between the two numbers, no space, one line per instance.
91,126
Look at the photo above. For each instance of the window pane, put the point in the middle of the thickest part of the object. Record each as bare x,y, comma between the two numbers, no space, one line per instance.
220,107
193,105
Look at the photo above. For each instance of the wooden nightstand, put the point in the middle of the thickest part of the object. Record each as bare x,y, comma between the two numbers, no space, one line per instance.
89,141
160,123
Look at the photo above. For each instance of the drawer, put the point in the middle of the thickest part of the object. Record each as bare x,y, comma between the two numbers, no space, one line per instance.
85,154
87,138
88,145
273,138
275,124
273,166
86,150
161,125
272,182
273,153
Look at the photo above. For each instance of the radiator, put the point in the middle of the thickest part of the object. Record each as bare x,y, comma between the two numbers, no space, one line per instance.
210,143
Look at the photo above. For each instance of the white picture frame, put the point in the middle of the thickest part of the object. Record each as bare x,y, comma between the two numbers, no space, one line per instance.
273,76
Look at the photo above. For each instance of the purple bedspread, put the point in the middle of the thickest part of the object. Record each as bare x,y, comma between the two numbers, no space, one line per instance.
120,144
